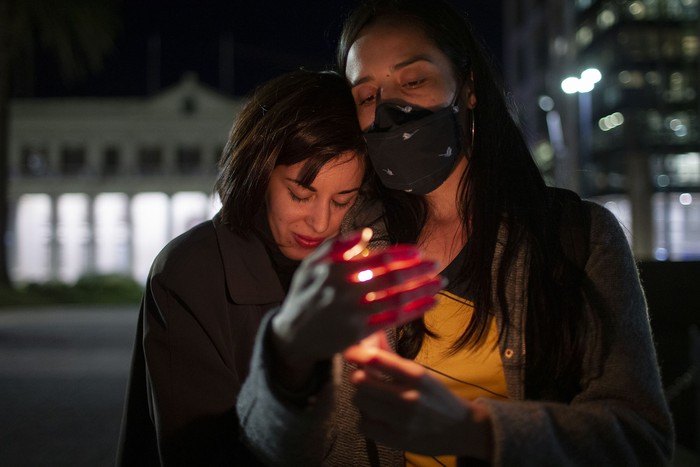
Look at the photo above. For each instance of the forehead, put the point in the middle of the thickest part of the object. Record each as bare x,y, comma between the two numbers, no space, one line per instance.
389,42
349,165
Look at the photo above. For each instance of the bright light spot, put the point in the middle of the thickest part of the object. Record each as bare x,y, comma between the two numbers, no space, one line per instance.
112,233
606,18
637,9
686,199
570,85
611,121
681,131
546,103
585,83
675,124
661,254
364,276
585,86
33,236
150,230
73,235
591,75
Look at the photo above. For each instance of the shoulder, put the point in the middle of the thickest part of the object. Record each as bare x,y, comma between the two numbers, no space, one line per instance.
605,227
595,221
192,247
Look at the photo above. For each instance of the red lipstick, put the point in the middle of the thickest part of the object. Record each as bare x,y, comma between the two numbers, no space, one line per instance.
308,242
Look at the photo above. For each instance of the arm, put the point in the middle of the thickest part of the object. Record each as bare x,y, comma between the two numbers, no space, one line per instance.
191,387
283,430
194,350
621,416
326,310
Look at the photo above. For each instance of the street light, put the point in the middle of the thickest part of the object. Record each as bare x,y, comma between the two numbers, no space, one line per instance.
583,85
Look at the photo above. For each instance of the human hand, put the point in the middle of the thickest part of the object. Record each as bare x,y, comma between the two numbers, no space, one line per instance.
340,295
403,406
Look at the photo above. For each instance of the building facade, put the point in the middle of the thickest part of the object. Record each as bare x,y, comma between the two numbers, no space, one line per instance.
99,185
632,138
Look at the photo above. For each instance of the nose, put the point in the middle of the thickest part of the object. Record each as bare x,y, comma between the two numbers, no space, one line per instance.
389,94
319,216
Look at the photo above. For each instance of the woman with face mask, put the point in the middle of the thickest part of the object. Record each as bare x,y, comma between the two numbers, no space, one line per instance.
293,167
539,351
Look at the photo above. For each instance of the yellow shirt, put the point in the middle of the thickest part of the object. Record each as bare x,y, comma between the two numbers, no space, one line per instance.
469,373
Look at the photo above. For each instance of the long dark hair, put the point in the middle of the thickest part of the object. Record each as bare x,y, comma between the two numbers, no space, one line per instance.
501,188
299,116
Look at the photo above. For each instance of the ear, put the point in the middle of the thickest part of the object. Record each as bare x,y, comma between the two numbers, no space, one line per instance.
470,89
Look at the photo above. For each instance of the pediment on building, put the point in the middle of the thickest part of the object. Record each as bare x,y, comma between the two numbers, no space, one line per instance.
190,97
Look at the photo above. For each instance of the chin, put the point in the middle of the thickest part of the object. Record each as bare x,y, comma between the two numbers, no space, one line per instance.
295,253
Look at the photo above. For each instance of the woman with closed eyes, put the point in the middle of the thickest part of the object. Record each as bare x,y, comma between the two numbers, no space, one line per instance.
294,166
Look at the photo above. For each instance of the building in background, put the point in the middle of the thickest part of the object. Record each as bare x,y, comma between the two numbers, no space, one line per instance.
99,185
623,129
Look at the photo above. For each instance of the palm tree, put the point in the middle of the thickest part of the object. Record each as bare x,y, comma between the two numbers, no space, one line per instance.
78,33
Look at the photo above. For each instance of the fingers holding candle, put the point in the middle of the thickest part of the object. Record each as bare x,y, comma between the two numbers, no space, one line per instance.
397,286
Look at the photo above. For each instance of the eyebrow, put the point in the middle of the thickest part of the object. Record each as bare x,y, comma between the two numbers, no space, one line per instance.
310,188
398,66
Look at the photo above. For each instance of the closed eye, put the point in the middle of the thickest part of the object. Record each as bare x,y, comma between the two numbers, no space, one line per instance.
298,199
368,100
414,83
344,200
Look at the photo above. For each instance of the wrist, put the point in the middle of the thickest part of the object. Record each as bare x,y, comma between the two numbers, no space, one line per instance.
481,441
290,371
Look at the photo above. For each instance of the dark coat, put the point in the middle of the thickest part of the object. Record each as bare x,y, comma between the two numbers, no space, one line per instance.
206,294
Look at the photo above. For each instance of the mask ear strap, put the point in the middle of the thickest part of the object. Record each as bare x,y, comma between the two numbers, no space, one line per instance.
472,113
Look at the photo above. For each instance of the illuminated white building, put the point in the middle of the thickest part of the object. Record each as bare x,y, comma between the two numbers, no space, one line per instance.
99,185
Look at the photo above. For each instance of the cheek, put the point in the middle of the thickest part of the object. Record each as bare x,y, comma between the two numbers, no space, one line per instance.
365,116
277,216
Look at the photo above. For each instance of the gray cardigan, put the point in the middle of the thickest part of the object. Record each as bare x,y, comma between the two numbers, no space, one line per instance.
619,418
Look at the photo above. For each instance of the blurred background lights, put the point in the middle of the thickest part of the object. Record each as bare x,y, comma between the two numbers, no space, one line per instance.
663,180
591,75
676,125
546,103
611,121
686,199
661,254
585,83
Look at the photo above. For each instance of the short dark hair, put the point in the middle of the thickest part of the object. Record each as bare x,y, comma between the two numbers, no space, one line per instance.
299,116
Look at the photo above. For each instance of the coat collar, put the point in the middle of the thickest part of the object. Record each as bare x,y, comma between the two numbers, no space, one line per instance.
250,276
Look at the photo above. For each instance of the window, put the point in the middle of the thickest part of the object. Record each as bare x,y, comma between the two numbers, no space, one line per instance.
35,162
188,160
150,160
72,160
111,161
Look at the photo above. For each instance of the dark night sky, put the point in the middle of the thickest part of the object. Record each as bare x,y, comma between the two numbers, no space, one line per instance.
268,37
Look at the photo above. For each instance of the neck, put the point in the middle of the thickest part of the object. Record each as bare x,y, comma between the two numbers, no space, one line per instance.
444,201
444,234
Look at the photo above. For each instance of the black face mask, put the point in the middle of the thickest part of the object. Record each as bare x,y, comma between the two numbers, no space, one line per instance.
413,149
